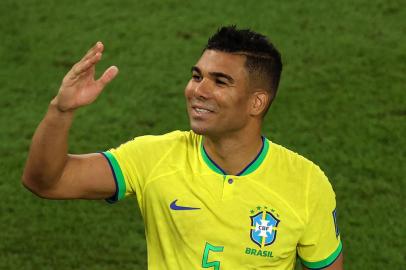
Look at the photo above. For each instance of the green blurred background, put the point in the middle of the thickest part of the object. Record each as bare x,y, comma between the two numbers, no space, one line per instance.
341,103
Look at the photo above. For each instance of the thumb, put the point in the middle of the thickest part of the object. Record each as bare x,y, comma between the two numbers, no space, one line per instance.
108,76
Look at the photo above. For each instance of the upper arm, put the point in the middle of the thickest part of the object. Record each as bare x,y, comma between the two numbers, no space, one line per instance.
86,176
338,264
320,243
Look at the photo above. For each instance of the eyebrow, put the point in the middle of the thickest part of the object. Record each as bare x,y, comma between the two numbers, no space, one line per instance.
214,74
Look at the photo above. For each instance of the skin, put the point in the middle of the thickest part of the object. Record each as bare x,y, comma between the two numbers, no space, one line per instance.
50,172
232,126
223,106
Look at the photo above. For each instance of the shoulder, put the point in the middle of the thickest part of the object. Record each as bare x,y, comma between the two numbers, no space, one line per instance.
144,153
153,145
299,167
289,159
168,137
164,140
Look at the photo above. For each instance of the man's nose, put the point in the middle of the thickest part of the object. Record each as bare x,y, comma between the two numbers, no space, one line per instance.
202,89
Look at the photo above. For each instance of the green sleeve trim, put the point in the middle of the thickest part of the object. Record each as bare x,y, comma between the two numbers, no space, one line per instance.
326,262
118,178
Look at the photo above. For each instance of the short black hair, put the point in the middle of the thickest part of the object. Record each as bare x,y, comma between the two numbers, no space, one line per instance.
263,59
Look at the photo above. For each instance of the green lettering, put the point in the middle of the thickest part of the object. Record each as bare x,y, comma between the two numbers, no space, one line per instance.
262,253
207,249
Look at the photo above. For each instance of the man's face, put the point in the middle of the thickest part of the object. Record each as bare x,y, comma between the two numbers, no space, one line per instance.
217,95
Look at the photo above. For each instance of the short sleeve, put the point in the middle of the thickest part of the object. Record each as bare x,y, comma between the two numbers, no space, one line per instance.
320,245
134,163
126,163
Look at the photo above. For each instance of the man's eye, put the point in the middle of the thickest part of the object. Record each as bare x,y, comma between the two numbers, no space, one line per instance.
220,82
196,77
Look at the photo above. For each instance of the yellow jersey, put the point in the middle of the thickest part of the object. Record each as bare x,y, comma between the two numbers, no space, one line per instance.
198,217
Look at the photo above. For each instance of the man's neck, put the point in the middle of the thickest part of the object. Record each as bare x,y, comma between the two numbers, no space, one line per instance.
233,153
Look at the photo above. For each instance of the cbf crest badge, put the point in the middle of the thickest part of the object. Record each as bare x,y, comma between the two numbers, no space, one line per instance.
263,226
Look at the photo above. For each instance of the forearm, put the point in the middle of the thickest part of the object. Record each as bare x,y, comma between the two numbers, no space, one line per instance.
49,171
49,150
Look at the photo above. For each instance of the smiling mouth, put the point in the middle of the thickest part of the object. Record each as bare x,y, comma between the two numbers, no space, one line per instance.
200,110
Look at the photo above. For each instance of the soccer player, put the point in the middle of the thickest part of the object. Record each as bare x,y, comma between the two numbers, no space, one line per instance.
219,196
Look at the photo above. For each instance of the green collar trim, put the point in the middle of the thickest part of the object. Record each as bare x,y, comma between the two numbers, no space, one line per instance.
209,162
247,170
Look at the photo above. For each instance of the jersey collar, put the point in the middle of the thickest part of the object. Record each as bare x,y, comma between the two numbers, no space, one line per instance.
252,166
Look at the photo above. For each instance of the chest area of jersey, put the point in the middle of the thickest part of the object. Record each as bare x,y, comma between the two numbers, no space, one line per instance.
240,215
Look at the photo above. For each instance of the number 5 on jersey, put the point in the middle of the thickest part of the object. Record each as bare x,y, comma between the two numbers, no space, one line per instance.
207,249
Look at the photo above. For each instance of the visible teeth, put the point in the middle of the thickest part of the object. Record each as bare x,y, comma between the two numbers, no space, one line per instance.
202,110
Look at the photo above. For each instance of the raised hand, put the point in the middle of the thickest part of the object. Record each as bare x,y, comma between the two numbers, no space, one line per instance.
79,87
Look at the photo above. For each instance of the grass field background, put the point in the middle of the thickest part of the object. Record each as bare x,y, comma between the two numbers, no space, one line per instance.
341,103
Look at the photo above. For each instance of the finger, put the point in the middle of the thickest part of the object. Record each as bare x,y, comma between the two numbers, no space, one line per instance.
98,47
92,56
85,65
108,76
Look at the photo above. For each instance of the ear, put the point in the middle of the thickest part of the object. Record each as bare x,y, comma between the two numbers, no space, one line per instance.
260,101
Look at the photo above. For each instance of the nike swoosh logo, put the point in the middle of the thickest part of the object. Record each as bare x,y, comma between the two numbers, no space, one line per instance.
174,206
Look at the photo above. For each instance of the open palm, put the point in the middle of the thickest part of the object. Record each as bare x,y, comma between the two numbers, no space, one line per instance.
79,87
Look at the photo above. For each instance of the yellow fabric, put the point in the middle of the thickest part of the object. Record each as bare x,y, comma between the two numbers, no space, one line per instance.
218,235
